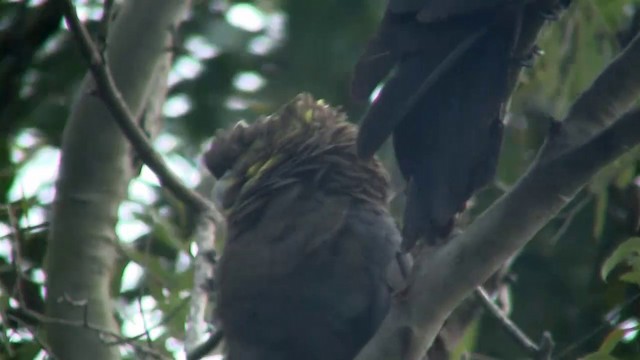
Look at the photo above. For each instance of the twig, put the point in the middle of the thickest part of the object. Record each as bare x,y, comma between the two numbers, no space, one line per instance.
612,314
40,226
36,336
17,256
568,220
17,260
3,335
122,115
512,329
206,347
104,333
164,321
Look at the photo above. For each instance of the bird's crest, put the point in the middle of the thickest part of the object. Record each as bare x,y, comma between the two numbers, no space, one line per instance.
304,140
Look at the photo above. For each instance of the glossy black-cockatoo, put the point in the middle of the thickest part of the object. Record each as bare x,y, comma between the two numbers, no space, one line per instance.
451,67
303,274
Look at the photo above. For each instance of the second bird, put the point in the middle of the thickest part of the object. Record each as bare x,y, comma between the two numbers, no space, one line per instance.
453,66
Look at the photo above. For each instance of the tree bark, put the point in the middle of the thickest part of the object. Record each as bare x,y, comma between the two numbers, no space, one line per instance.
95,168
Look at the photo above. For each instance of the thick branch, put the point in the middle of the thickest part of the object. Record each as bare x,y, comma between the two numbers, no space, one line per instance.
95,169
611,95
572,155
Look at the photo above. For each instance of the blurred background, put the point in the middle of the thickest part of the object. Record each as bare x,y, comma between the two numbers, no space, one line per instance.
237,60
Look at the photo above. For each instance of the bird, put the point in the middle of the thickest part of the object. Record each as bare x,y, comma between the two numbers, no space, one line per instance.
310,244
448,68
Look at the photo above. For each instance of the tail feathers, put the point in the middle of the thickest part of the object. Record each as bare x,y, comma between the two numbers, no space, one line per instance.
422,222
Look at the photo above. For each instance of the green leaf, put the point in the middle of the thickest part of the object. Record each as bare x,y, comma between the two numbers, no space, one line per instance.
611,341
631,277
598,356
622,253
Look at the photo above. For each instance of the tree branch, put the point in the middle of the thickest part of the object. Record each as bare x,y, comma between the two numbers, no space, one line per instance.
95,170
612,93
575,150
127,121
510,327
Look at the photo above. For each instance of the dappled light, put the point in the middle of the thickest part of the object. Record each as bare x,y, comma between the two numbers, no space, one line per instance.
239,60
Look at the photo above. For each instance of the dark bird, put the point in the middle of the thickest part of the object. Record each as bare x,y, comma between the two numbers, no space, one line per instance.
303,274
451,67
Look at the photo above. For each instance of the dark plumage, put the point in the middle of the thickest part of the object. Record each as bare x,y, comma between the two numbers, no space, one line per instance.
456,63
303,272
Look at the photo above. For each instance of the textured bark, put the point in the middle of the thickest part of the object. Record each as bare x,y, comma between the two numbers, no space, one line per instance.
95,169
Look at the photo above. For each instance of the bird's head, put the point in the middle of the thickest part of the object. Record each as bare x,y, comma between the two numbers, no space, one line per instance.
305,141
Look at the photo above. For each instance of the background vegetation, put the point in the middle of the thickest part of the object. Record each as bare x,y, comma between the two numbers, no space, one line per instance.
239,60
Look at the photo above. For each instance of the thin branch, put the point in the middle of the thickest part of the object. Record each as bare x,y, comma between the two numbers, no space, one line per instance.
605,325
568,220
512,329
82,303
105,334
5,340
36,336
125,119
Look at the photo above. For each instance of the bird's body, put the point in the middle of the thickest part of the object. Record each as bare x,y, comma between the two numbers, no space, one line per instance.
455,64
303,274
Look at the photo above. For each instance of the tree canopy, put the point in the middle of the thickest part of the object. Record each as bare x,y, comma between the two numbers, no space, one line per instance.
235,60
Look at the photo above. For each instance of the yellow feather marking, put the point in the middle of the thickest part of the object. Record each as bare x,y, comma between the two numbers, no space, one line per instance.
268,164
256,170
308,115
253,169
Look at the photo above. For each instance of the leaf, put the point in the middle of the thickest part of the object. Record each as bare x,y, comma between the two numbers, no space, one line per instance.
631,277
598,356
611,341
469,340
621,253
